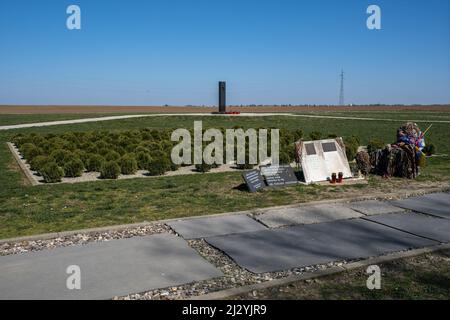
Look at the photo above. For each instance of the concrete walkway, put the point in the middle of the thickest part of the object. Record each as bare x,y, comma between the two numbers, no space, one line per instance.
106,269
296,239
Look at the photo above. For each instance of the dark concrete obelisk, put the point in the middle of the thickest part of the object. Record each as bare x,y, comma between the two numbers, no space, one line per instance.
222,97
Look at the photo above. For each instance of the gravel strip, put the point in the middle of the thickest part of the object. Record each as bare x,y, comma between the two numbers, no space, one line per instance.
10,248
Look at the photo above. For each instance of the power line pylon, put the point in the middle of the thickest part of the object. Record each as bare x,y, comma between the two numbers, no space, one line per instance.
341,95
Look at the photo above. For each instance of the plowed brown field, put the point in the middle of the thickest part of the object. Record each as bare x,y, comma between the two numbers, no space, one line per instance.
155,109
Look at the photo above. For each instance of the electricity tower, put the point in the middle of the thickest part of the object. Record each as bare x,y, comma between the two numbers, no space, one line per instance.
341,95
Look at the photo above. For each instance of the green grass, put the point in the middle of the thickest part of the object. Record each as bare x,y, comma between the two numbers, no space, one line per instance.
26,210
12,119
422,277
387,114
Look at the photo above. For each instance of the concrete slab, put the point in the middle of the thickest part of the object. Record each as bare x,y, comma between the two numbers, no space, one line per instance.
298,246
213,226
437,204
426,226
373,207
306,215
108,269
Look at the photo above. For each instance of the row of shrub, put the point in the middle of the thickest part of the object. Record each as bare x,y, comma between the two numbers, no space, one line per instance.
53,169
125,152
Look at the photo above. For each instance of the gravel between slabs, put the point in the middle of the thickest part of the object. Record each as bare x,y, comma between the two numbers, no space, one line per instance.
81,239
234,276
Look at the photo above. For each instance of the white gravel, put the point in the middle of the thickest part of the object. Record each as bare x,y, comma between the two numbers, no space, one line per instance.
10,248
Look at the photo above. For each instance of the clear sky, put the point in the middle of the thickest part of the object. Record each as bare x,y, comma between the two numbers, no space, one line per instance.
156,52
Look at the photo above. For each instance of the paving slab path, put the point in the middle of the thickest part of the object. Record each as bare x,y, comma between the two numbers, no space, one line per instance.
306,215
107,269
419,224
304,236
374,207
436,204
306,245
214,226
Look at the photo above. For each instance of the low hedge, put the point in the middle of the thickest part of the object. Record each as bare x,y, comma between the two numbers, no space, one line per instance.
39,162
61,156
112,156
51,172
203,167
375,144
109,170
158,166
143,158
94,162
30,151
128,164
351,147
73,168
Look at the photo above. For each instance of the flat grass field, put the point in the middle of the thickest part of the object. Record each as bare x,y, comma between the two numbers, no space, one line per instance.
11,119
27,210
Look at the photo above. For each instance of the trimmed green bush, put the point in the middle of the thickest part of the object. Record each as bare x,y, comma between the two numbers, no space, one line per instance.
82,155
110,170
94,162
61,156
285,158
39,162
29,151
57,143
375,144
142,148
51,172
103,152
315,135
112,156
158,166
351,147
128,164
298,134
143,159
100,144
121,151
203,167
73,168
175,167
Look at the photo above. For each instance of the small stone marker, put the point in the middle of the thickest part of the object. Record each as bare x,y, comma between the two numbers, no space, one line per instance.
279,175
254,180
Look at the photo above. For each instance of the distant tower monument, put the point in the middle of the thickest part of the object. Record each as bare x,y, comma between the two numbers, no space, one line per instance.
222,97
341,95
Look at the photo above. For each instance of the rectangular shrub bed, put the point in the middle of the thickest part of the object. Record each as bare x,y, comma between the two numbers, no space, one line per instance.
110,154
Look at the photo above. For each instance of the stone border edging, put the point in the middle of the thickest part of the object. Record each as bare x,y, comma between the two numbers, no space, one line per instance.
373,196
22,166
220,295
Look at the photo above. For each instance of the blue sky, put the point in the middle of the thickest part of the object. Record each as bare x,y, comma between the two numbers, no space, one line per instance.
156,52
